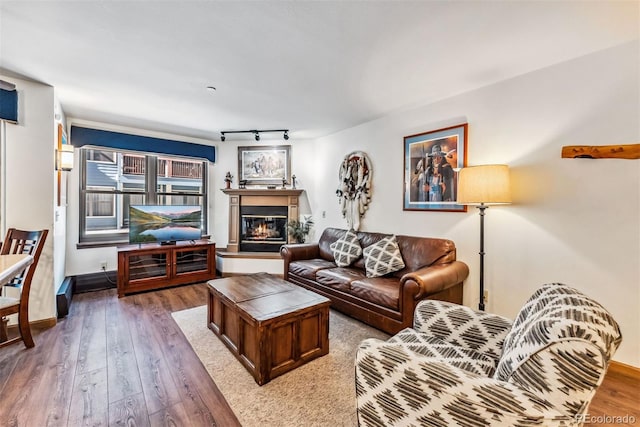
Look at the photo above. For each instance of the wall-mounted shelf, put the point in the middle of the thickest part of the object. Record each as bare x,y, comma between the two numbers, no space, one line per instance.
628,151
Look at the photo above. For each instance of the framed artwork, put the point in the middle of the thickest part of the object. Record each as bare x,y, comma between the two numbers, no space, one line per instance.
264,165
432,161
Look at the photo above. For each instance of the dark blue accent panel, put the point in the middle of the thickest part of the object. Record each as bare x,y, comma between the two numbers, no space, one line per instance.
9,105
84,136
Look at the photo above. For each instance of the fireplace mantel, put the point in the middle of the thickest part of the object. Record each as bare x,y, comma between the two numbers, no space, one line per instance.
257,197
262,192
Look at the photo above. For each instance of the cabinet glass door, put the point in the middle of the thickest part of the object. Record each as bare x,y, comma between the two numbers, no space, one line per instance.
148,266
191,260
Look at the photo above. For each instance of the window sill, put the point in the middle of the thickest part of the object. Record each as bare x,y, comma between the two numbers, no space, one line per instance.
105,244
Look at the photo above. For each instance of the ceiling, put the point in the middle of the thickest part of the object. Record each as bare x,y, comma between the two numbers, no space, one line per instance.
314,67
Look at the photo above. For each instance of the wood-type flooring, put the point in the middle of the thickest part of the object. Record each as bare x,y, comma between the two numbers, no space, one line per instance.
115,362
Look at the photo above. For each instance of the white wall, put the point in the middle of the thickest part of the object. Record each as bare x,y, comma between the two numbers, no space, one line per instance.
30,182
573,220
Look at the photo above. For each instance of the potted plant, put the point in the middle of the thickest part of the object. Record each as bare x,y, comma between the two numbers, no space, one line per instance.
300,229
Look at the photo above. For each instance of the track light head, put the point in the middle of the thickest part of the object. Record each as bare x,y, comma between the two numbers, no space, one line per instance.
257,136
286,135
222,137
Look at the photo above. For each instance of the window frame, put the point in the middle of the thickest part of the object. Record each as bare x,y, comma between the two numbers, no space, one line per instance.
150,194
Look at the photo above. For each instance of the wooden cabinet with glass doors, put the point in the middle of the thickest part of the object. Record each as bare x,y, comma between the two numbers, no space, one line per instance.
143,267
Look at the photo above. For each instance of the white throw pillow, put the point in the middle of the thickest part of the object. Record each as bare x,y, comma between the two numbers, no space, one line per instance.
347,249
383,257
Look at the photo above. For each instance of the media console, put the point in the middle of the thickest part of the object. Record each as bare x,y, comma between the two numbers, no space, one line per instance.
147,266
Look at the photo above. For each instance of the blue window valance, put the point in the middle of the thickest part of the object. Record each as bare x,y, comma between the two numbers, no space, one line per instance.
81,136
9,105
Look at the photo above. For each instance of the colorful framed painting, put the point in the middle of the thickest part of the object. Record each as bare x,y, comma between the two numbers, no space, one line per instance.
264,165
432,161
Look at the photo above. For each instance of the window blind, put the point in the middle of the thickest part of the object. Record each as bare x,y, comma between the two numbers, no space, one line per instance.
9,105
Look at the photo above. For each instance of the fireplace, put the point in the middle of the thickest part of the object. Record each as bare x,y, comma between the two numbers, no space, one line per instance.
258,218
263,228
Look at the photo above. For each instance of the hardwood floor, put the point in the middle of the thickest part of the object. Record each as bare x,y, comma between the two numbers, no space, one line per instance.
125,362
113,362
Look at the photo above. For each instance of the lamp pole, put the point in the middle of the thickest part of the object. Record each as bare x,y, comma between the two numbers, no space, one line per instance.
481,208
483,185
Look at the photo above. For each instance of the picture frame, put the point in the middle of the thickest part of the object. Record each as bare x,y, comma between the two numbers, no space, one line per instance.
432,161
264,165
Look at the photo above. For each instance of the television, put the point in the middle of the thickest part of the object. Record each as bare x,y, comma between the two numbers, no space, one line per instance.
164,224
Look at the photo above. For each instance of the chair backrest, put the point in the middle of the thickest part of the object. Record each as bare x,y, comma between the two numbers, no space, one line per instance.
24,242
559,347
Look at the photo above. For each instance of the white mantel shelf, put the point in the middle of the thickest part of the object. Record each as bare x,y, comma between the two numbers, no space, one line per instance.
262,191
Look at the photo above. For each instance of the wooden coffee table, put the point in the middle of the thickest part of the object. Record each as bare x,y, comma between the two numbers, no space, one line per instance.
270,325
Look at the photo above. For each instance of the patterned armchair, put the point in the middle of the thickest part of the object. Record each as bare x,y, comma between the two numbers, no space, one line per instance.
461,367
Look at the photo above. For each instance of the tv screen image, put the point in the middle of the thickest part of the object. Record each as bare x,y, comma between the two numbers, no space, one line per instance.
155,223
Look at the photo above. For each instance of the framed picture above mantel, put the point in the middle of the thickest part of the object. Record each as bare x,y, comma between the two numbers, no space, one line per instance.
264,165
432,161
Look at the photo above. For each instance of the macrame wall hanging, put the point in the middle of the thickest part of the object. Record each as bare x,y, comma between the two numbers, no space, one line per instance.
354,192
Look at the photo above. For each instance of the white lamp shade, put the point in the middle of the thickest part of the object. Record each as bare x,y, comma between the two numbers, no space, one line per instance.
488,184
65,157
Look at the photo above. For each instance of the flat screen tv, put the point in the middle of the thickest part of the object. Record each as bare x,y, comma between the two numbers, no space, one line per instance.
164,224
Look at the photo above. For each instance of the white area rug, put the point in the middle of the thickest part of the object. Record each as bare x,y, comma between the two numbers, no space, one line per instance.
319,393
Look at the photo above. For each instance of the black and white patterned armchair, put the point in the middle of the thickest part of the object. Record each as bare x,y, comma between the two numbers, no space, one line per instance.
461,367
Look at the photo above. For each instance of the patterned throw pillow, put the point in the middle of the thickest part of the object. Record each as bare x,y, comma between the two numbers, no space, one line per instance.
383,257
347,249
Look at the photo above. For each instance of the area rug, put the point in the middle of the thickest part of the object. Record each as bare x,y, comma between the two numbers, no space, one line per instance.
319,393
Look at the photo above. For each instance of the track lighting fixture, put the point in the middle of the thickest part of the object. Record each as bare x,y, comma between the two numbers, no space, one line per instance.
256,133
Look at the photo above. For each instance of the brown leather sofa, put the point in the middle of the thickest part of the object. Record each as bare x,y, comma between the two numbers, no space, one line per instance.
387,303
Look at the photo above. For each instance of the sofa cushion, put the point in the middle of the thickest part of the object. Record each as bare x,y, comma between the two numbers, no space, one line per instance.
384,291
339,278
429,346
346,249
329,235
383,257
309,267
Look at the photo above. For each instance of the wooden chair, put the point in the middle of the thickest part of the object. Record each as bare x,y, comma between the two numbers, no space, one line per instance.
21,242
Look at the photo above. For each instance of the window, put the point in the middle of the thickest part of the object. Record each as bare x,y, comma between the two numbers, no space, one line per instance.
113,180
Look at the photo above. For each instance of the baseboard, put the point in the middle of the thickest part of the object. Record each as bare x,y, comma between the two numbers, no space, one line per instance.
64,296
244,274
624,369
95,281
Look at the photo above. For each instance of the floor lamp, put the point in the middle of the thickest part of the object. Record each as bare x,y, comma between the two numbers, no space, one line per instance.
482,186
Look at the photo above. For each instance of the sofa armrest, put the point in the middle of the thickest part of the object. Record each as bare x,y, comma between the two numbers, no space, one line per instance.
436,278
394,387
299,251
462,326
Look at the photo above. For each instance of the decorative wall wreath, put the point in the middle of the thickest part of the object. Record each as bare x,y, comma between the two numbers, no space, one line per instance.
354,191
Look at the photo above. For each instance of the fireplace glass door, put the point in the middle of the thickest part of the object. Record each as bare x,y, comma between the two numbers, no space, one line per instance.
263,228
